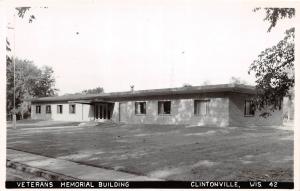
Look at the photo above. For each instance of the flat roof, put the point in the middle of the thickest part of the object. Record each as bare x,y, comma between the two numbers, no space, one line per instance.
236,88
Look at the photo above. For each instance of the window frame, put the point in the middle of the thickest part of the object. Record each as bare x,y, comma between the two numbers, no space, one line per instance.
136,109
251,105
48,112
38,111
207,109
70,109
58,110
163,102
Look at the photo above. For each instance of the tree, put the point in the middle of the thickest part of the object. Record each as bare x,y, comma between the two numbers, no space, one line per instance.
44,86
274,67
25,76
96,90
186,85
30,82
206,82
274,14
236,80
21,12
29,79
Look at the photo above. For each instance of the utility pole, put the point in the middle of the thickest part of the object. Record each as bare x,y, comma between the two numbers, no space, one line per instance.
14,65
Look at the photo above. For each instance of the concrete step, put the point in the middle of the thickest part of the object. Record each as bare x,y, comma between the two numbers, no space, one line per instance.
99,124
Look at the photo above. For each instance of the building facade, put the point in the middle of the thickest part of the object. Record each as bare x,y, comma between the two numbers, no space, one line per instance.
213,105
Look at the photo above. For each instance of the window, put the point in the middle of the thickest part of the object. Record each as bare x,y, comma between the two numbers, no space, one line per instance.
38,109
72,108
249,108
201,107
48,108
164,107
59,108
140,108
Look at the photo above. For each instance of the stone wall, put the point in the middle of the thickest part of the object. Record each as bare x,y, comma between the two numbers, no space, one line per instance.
182,112
237,117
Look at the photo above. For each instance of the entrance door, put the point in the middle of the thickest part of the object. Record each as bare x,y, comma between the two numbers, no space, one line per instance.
101,111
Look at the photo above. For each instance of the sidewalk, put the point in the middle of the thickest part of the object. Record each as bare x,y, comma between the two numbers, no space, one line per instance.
58,169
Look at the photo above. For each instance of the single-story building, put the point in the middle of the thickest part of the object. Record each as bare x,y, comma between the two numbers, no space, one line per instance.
209,105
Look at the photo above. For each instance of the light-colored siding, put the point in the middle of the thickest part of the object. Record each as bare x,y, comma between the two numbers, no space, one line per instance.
237,118
83,112
43,115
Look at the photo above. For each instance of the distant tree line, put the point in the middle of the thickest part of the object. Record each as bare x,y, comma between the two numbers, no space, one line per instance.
96,90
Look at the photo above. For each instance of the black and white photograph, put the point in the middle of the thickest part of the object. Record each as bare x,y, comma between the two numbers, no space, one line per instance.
149,94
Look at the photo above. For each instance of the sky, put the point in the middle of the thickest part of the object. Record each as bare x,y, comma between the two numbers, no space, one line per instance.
148,44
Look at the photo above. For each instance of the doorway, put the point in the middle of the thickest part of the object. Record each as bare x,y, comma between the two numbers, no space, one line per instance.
102,112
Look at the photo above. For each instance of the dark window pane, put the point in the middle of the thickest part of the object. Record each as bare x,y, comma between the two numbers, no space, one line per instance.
167,107
108,113
140,107
59,109
100,112
38,109
104,113
96,111
164,107
72,108
249,108
48,108
143,108
201,107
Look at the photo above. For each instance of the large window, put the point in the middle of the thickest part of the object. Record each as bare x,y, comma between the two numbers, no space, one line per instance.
38,109
72,108
48,108
201,107
164,107
60,109
140,108
249,109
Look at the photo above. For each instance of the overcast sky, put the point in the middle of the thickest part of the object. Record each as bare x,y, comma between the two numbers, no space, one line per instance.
151,44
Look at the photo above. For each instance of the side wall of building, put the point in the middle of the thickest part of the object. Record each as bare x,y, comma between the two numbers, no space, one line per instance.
182,112
83,112
237,117
41,116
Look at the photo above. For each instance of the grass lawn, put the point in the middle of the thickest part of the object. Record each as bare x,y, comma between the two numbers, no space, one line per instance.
166,151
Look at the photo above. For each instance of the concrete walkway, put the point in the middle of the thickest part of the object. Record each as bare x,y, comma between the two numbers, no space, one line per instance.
59,169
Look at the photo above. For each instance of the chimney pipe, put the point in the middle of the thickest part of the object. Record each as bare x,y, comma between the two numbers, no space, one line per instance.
132,88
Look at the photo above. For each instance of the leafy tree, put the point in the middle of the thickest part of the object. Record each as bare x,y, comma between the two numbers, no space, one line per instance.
274,14
30,82
28,78
21,11
274,67
44,87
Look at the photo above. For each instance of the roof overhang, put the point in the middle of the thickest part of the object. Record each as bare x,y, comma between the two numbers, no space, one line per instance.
114,96
81,101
